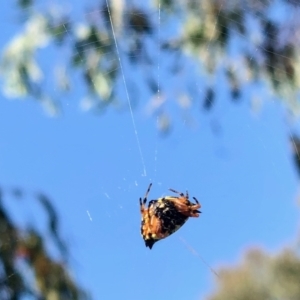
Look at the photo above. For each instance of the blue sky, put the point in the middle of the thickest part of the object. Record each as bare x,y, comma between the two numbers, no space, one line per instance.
91,167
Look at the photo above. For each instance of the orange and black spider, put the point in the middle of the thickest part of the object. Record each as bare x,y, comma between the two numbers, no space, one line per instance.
165,215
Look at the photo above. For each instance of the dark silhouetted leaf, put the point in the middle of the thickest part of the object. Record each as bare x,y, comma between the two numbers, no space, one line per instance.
52,221
25,3
295,141
139,22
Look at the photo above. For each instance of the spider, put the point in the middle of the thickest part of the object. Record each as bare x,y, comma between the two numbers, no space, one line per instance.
165,215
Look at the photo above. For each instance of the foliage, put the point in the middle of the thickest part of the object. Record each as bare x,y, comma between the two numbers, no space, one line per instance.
26,266
240,40
261,277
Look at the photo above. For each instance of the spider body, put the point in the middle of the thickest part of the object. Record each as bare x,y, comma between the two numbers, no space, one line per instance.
165,215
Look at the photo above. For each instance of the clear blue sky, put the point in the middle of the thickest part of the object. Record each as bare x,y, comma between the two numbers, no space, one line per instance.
244,179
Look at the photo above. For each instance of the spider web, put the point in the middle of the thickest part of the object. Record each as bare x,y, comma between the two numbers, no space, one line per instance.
236,195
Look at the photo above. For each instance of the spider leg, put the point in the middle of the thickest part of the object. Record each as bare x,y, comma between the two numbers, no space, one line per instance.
181,194
148,190
142,205
187,195
143,201
146,195
198,205
196,200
